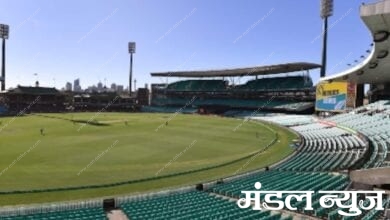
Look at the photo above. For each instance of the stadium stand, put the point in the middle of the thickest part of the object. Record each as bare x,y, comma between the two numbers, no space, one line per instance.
218,202
34,99
278,83
198,85
88,213
95,101
276,180
198,205
232,103
326,149
286,120
168,109
282,94
88,210
373,121
296,107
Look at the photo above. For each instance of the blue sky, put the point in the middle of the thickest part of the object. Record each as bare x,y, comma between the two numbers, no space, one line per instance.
66,39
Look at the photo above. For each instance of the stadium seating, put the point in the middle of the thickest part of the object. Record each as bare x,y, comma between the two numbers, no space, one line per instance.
286,120
218,202
298,106
278,83
282,180
197,85
374,122
376,214
168,109
223,102
233,103
85,214
265,84
192,205
324,147
217,93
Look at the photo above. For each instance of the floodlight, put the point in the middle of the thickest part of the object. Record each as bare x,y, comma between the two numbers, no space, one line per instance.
4,31
131,47
131,51
326,9
4,34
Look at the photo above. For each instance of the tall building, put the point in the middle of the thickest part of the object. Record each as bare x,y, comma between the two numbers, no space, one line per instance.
100,87
113,87
76,85
68,86
119,88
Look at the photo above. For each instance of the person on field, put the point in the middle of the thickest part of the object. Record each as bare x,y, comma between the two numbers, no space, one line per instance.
42,132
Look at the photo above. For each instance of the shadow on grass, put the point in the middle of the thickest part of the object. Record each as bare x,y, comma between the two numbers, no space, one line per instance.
89,122
95,123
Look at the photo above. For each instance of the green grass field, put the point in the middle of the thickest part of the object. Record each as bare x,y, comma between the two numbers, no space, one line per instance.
115,147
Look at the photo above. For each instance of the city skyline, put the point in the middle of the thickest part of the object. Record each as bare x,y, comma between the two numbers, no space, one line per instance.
98,87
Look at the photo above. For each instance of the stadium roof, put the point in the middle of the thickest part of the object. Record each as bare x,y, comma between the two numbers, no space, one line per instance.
34,90
376,67
249,71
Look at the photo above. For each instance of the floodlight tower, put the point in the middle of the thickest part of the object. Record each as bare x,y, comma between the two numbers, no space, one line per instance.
4,31
131,51
325,11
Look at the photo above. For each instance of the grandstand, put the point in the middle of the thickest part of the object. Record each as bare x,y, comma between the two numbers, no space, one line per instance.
282,93
110,101
198,205
33,99
197,85
373,121
277,83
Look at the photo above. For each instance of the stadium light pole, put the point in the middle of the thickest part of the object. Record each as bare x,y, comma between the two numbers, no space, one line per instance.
326,11
131,51
4,31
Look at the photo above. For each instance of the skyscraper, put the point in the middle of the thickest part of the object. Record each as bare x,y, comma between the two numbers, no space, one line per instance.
113,87
100,87
76,85
68,86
